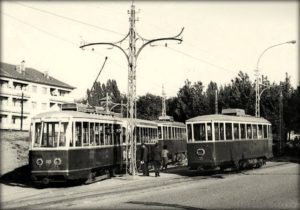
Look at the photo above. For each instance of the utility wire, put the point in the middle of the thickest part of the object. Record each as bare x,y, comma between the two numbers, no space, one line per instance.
59,37
70,19
203,61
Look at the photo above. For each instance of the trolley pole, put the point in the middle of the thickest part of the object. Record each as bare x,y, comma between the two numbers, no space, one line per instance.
131,53
216,102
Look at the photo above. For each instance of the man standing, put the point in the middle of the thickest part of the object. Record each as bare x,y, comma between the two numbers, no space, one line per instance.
156,159
144,159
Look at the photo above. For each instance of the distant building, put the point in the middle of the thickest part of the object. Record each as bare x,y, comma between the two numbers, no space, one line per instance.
38,91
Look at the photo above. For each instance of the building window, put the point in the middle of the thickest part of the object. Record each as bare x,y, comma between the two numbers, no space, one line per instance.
3,119
34,105
34,88
44,106
44,90
3,101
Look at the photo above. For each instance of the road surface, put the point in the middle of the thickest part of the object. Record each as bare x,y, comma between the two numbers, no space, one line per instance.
274,186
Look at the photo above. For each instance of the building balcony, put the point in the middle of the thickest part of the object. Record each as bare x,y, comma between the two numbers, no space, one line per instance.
15,109
61,99
14,92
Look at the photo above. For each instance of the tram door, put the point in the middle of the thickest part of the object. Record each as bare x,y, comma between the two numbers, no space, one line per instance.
117,154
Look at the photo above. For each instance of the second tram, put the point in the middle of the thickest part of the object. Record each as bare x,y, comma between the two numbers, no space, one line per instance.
222,141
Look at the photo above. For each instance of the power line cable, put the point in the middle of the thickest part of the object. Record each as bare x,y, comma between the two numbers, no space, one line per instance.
70,19
203,61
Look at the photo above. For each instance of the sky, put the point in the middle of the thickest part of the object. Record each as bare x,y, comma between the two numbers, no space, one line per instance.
220,39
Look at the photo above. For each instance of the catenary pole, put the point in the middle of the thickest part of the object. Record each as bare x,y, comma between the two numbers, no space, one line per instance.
131,54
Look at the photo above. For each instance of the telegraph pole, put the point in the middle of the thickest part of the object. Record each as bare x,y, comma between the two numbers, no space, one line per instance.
216,102
164,112
131,55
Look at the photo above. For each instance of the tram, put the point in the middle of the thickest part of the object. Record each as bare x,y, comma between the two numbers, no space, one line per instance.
80,145
172,135
228,140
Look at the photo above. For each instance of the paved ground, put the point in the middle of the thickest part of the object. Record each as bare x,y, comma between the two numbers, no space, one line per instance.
275,186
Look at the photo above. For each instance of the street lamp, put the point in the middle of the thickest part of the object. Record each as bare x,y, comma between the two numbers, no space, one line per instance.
257,82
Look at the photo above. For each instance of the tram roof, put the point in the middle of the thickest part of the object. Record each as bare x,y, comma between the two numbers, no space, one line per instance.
74,114
170,123
222,117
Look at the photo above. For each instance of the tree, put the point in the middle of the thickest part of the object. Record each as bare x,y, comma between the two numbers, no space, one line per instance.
149,107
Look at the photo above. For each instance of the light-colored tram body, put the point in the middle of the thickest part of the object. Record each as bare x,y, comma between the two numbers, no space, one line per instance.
173,135
221,141
72,145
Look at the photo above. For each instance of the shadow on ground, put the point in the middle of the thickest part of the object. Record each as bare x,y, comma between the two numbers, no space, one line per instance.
164,205
21,177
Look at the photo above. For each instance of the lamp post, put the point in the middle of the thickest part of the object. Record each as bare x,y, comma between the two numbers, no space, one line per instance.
258,82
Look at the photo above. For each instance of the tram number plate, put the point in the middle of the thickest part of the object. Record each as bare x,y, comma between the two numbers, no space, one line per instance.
200,158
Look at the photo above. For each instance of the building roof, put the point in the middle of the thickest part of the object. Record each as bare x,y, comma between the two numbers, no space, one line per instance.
31,75
221,117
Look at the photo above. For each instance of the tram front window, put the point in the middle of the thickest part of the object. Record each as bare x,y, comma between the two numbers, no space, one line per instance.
209,132
199,132
52,134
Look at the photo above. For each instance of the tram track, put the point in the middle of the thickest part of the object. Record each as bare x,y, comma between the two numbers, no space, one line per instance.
66,197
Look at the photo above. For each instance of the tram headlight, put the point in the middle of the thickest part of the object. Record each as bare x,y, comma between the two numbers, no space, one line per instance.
57,161
200,152
39,162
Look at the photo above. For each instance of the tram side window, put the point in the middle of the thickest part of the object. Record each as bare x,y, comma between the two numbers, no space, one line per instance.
254,127
78,133
265,131
101,130
117,134
249,131
108,134
189,132
209,132
199,132
50,134
159,132
260,132
236,130
228,130
165,132
97,134
63,134
243,131
217,131
169,133
138,131
85,129
92,132
222,131
37,136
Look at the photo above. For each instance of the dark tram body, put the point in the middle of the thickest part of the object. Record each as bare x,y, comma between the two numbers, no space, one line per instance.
173,135
224,141
72,145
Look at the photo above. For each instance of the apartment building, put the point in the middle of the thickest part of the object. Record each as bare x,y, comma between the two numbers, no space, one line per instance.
25,92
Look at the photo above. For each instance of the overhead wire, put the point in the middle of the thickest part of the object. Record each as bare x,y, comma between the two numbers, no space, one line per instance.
68,18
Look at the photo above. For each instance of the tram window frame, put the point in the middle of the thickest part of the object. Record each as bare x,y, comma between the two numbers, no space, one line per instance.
228,132
92,134
200,133
97,134
209,133
62,141
108,134
85,133
189,132
222,131
37,134
243,130
78,133
217,131
101,134
159,132
254,131
265,131
249,134
259,131
49,134
236,131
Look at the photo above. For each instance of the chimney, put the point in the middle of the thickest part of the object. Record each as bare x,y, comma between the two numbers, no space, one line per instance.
46,74
21,68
